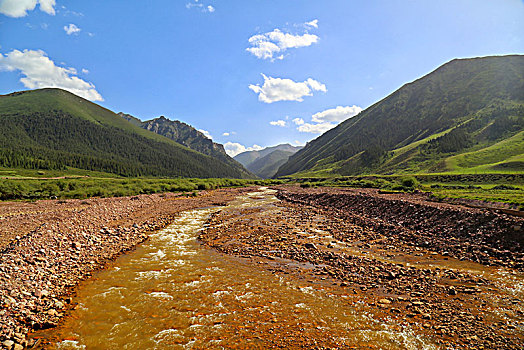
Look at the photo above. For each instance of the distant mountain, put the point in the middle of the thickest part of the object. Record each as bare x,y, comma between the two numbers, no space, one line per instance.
267,166
265,162
186,135
466,116
55,129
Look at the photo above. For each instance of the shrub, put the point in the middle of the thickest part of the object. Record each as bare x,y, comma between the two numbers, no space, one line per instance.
409,182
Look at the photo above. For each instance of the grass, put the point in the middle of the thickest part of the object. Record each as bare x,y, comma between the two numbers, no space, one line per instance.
21,173
486,193
484,159
33,185
496,188
34,189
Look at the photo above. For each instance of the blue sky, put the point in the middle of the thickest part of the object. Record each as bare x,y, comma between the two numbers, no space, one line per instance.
250,72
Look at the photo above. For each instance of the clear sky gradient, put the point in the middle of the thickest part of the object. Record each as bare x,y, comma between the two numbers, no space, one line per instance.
188,59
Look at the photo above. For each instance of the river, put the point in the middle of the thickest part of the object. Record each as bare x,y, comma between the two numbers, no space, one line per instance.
174,293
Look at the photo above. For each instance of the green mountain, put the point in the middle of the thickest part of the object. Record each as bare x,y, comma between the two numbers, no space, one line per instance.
466,116
55,129
185,135
265,162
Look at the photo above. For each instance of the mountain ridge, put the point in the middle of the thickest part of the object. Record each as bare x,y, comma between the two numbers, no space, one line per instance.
185,135
465,99
55,129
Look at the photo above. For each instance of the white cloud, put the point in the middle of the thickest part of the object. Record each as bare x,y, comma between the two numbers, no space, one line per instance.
206,133
19,8
266,45
313,23
298,121
234,148
337,114
41,72
71,29
85,71
327,119
48,6
277,89
316,128
315,85
281,123
226,134
198,5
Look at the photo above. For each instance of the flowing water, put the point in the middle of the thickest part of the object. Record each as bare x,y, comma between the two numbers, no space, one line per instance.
172,292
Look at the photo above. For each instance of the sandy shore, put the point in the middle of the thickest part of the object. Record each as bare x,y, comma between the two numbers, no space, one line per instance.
48,247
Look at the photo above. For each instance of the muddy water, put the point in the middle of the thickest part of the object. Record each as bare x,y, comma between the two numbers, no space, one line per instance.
501,289
174,293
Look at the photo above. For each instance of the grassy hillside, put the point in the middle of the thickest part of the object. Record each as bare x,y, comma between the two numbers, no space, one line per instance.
463,117
54,129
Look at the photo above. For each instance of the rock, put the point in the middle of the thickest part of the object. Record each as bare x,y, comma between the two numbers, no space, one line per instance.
384,301
391,275
8,344
41,293
470,291
52,312
310,245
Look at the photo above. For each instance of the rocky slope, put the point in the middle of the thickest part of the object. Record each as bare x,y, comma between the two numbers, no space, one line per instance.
185,135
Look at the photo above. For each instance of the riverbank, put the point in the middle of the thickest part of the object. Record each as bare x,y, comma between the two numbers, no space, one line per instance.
48,247
451,273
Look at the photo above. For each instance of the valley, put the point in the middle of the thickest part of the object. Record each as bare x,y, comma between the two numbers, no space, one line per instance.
401,227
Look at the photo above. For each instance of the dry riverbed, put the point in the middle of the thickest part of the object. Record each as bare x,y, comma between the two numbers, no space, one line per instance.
48,247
